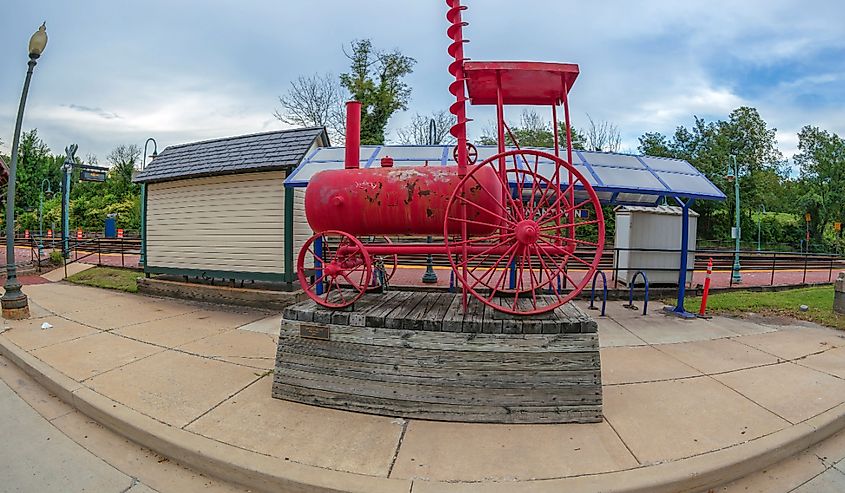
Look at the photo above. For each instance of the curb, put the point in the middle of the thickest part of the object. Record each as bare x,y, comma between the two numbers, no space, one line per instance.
269,474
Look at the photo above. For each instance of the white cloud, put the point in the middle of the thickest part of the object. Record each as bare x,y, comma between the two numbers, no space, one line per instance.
181,74
671,110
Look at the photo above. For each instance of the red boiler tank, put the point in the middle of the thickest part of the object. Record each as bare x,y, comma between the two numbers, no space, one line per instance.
398,201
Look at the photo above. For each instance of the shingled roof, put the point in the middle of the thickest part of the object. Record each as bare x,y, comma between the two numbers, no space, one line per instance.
268,151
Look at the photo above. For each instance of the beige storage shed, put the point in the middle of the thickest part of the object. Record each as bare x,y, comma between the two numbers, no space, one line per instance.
219,208
648,239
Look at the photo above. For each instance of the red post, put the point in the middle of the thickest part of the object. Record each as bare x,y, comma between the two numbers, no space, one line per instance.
706,287
120,232
353,135
49,233
79,234
26,234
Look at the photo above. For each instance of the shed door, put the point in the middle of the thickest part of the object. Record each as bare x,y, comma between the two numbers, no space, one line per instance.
232,223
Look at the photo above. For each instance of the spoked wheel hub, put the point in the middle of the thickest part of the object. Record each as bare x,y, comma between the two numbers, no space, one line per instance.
332,270
527,232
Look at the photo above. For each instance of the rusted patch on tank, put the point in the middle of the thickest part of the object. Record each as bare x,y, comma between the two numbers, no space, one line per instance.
410,187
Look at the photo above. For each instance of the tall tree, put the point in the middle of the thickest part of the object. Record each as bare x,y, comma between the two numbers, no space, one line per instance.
821,159
314,101
709,145
35,163
418,131
376,79
655,144
123,160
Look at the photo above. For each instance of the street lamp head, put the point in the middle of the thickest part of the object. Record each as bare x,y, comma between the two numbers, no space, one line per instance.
38,41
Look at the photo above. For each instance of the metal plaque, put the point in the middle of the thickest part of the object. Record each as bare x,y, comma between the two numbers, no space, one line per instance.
308,331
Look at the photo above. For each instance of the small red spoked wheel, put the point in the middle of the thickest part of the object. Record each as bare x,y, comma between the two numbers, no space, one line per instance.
472,153
342,269
535,218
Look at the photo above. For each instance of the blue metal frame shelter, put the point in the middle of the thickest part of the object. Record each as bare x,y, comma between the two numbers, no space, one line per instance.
618,179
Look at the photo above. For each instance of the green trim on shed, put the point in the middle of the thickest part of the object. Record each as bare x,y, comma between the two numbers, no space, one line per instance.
143,259
217,274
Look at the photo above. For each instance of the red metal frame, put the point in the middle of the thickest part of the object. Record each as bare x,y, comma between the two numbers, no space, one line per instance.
503,222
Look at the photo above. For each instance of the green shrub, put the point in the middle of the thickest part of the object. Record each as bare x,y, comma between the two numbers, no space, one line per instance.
56,257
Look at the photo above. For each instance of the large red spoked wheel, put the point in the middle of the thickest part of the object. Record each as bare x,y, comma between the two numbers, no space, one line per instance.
523,265
341,265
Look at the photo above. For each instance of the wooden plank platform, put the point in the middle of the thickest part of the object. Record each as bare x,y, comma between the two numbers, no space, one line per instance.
442,312
419,355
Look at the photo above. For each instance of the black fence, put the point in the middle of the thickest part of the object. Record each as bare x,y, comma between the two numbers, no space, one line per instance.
90,248
85,249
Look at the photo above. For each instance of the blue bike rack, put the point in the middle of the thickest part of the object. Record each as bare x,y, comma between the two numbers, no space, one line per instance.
631,292
604,292
551,289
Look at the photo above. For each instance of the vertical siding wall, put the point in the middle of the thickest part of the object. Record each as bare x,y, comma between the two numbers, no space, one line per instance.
231,223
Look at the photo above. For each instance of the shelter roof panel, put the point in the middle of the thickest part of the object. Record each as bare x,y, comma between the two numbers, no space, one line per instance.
617,178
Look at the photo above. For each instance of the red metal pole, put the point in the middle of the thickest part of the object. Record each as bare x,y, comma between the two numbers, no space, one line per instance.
353,135
706,288
556,130
458,86
458,108
571,216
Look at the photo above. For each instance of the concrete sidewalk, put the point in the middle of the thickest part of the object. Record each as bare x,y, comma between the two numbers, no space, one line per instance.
48,446
688,404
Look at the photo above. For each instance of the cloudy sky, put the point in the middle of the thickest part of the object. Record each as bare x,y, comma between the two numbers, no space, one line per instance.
179,71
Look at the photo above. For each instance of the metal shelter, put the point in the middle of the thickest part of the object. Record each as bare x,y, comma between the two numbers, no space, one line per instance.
618,179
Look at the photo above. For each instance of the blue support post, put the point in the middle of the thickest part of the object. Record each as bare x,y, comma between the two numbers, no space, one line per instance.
512,277
679,310
318,271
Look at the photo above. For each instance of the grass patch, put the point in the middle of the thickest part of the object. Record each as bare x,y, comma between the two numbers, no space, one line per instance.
779,303
108,278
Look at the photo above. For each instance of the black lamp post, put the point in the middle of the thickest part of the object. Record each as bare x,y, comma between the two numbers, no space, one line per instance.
153,155
430,277
14,302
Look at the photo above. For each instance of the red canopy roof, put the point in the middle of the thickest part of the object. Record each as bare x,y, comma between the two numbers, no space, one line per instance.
528,83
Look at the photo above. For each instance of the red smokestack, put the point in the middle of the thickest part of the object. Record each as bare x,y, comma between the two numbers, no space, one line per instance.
353,134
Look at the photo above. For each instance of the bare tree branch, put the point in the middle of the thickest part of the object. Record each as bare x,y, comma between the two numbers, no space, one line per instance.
603,136
417,132
315,101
